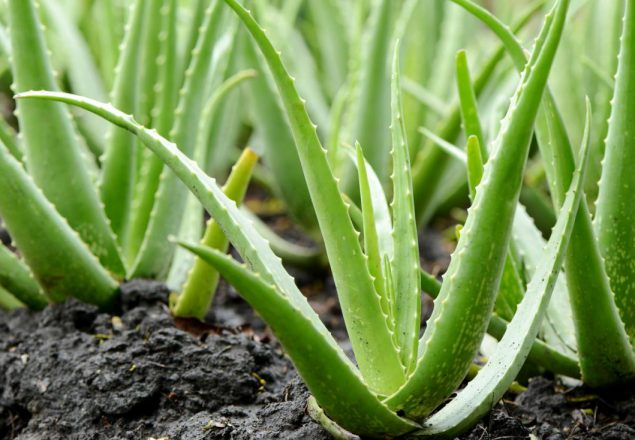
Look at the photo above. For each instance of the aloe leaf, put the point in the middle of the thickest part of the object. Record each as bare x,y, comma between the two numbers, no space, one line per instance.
5,42
197,16
10,140
379,205
494,379
200,286
321,363
332,38
16,277
602,40
606,355
155,253
370,235
300,61
280,153
165,102
469,290
151,48
430,164
372,101
405,261
107,36
8,302
371,340
191,226
541,353
468,104
62,264
418,25
295,255
226,127
511,286
451,149
83,73
475,161
558,329
614,221
52,150
118,164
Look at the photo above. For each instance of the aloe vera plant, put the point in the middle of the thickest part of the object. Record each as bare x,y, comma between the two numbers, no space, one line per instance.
102,219
399,379
596,273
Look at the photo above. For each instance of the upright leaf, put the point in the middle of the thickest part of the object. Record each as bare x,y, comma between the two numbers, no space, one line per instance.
368,331
60,261
462,310
155,254
606,355
53,153
165,102
279,147
615,219
405,261
202,280
118,171
501,369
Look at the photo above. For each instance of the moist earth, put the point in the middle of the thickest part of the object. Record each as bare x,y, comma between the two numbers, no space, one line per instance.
70,372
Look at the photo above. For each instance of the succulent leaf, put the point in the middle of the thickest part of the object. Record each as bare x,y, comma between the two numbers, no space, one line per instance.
62,264
361,306
51,146
459,319
501,369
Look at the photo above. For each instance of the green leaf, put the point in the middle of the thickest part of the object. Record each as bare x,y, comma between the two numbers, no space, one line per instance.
459,320
200,286
280,153
371,106
474,164
330,25
83,73
615,220
155,254
8,302
60,261
16,277
165,102
371,234
361,306
606,355
328,373
475,400
52,149
118,164
405,260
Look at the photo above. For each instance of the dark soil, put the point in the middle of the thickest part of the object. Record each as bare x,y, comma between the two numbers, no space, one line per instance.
552,412
73,373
